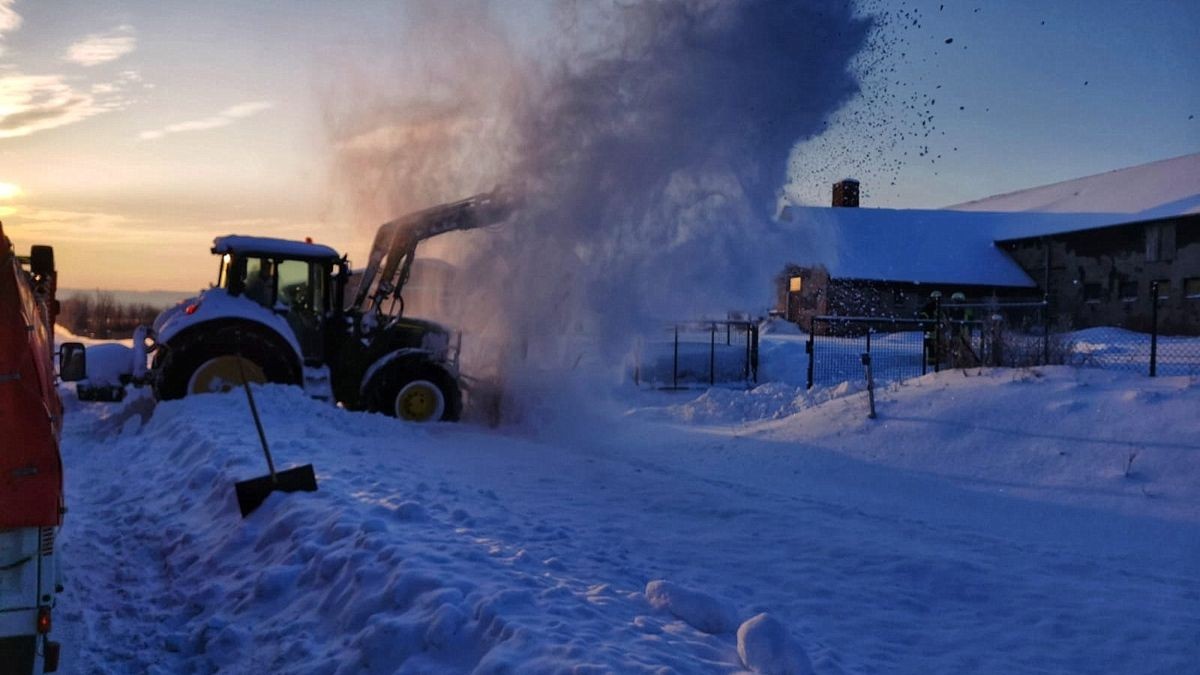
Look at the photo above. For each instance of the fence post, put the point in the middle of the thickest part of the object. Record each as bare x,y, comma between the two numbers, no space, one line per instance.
1044,315
937,333
754,351
866,361
637,362
924,347
675,365
1153,328
812,323
712,355
746,374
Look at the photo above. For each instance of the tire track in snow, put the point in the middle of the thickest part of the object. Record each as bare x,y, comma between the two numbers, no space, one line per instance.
117,596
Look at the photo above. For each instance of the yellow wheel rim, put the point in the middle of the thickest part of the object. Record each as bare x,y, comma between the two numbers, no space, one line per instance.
221,374
420,401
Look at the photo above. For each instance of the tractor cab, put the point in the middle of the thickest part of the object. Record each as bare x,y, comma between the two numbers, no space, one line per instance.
299,281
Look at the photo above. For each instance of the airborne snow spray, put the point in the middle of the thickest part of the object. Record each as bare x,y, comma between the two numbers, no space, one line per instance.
650,139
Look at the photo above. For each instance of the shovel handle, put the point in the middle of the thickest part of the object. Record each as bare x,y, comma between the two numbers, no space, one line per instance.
262,436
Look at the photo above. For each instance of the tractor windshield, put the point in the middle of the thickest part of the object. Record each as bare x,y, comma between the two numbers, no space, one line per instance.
296,289
278,284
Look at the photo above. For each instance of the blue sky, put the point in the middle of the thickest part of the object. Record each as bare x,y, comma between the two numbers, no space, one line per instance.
144,125
1018,69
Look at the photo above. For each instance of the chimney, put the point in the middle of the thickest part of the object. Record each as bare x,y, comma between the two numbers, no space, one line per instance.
845,192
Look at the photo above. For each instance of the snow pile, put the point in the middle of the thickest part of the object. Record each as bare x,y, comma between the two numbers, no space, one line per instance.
729,406
779,327
766,647
1117,348
774,400
1105,439
388,568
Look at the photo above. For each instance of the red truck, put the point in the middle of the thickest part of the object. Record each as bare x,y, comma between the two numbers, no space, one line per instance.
31,473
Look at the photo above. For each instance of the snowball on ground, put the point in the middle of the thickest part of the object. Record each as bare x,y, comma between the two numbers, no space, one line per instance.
765,646
700,611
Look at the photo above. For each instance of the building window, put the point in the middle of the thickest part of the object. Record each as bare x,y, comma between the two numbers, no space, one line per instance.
1092,292
795,284
1164,288
1160,242
1191,288
1128,290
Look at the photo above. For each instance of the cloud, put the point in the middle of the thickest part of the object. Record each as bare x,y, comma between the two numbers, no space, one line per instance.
100,48
9,20
30,103
224,118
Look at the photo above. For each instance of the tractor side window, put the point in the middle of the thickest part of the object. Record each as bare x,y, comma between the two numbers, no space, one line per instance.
258,285
294,290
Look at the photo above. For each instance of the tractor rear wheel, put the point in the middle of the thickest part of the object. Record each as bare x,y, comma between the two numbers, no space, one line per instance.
205,361
419,391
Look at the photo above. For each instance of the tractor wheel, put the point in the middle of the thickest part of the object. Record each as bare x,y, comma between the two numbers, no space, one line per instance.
206,361
418,391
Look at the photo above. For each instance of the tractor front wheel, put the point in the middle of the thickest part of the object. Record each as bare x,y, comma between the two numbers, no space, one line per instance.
415,392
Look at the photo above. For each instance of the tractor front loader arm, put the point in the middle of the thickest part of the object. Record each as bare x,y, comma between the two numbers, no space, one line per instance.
395,242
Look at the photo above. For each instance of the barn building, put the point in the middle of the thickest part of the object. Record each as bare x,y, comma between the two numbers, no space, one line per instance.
1092,247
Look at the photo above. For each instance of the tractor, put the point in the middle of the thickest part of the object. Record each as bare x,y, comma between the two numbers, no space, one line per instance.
294,313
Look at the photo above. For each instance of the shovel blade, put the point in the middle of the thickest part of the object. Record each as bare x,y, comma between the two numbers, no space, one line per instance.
252,493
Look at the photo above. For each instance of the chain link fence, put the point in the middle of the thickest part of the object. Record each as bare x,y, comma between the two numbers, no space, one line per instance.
698,353
963,335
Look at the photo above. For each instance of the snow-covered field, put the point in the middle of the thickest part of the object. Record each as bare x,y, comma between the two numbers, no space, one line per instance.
1042,520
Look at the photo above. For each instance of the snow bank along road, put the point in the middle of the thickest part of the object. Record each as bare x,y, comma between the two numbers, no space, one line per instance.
988,521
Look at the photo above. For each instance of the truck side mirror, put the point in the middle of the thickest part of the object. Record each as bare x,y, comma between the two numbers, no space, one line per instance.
41,260
72,362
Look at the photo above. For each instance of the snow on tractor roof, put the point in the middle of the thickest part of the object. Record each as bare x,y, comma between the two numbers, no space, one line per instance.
285,248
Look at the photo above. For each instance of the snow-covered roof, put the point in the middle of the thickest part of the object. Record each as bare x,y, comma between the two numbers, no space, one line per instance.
287,248
1169,187
930,246
958,244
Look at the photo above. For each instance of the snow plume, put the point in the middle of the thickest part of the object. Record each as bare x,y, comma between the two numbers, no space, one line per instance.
649,139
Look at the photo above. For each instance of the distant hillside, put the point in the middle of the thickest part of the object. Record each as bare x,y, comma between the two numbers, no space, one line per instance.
160,299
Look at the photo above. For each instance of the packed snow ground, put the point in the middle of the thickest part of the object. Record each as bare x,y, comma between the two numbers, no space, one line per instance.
1013,521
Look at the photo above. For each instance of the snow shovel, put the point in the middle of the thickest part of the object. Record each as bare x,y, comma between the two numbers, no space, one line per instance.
252,493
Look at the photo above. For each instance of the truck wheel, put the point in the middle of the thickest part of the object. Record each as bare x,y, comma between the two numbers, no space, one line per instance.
206,361
416,392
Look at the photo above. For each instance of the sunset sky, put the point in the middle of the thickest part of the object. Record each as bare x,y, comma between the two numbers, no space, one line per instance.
132,132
